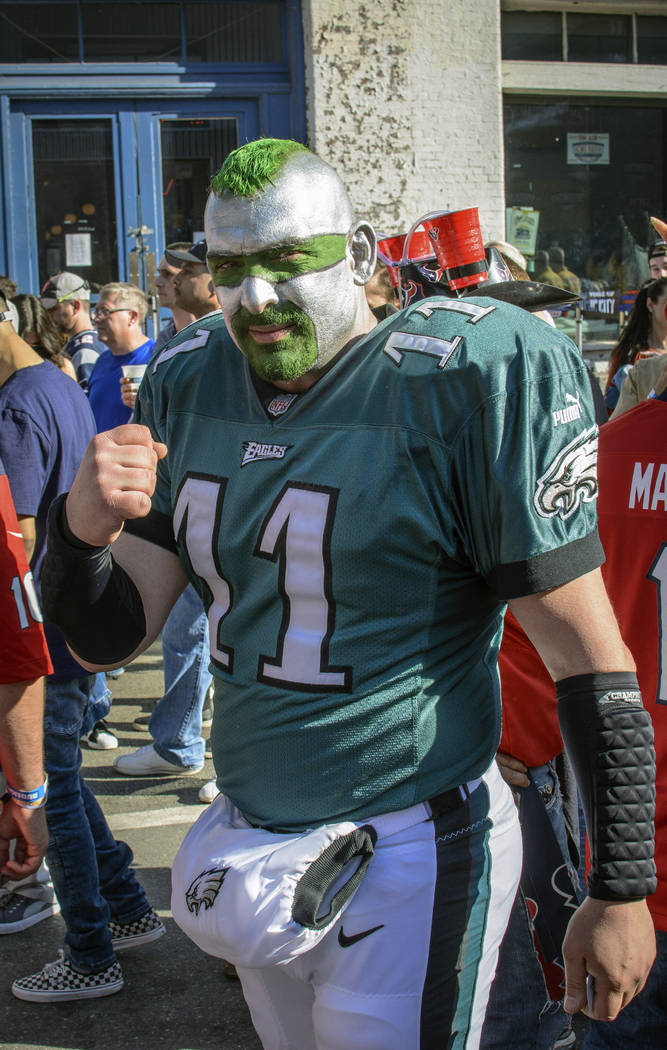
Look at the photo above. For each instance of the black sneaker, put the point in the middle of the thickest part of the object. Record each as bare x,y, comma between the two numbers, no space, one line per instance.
148,927
18,912
59,982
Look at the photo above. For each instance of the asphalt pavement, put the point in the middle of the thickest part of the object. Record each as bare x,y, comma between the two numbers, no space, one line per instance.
175,997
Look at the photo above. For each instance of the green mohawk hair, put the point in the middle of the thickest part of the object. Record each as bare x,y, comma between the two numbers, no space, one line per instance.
249,168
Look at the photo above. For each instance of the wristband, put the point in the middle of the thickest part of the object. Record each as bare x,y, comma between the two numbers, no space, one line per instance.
608,736
34,799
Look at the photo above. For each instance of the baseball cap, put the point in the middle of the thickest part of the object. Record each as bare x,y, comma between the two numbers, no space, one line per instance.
657,248
62,287
197,253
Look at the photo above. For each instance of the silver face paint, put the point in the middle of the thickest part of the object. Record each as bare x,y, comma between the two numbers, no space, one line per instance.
307,199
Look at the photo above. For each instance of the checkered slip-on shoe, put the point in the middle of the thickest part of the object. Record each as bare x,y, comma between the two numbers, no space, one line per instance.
18,912
148,927
59,982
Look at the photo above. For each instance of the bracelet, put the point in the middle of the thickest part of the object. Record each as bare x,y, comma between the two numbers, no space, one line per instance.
34,799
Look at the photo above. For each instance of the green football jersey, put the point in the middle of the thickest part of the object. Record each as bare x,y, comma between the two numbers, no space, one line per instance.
355,545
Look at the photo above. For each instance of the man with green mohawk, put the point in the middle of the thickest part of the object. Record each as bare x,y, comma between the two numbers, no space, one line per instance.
275,188
356,503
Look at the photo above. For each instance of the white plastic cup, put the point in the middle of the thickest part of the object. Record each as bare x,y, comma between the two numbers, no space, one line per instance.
134,373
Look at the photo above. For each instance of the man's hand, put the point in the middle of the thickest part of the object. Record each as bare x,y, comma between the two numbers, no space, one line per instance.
28,827
615,944
115,482
512,770
128,391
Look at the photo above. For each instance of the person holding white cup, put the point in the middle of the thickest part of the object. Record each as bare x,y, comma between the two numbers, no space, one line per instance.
130,382
119,315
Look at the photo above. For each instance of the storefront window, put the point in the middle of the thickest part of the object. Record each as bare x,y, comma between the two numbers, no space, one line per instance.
39,33
192,152
131,32
74,198
532,36
563,36
583,180
599,38
236,31
652,40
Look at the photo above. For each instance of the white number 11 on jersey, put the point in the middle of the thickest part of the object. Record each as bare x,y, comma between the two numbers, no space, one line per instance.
296,533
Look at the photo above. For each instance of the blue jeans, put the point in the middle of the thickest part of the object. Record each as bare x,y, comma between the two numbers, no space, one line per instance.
521,1014
90,869
175,724
642,1025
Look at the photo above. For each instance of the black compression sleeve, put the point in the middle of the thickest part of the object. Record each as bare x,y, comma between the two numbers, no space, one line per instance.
88,596
608,735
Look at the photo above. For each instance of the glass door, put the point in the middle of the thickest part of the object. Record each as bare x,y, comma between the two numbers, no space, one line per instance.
75,206
101,188
192,151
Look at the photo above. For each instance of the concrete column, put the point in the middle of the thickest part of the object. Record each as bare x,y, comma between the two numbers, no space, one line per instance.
404,100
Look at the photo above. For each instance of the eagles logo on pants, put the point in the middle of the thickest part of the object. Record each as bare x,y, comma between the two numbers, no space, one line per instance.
409,962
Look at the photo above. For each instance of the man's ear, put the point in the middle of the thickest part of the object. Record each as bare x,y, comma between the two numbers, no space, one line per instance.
362,251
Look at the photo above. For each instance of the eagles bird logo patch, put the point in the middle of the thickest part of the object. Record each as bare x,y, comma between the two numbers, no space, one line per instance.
571,479
204,888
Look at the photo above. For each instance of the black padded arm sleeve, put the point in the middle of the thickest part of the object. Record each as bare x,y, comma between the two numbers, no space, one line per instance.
88,596
608,735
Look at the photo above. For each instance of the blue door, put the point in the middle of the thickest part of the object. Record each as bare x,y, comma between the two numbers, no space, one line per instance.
100,187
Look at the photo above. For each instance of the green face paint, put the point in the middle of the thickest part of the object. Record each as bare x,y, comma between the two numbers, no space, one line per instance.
290,356
280,263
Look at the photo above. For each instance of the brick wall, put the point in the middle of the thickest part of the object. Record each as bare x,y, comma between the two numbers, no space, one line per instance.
404,100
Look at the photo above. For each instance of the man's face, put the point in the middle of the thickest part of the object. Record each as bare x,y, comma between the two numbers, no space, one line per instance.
658,266
164,283
62,314
281,276
192,286
114,328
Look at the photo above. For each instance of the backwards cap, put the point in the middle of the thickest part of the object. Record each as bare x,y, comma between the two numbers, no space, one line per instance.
63,287
657,249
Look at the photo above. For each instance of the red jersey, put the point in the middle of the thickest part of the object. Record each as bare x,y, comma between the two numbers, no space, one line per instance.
632,507
530,713
23,653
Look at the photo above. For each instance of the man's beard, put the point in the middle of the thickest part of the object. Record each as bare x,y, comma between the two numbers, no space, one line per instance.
289,357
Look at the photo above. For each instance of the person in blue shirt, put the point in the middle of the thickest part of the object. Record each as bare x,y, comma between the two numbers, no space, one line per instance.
119,314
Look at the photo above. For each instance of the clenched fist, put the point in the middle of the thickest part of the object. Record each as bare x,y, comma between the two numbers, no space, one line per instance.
115,482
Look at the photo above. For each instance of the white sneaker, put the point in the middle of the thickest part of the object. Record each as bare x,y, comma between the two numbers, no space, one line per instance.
147,763
101,738
208,791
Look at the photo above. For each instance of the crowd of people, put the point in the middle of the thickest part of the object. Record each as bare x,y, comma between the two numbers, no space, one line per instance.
330,506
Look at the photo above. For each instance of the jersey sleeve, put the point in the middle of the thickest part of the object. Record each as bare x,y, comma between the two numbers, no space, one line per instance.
23,655
525,470
27,457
